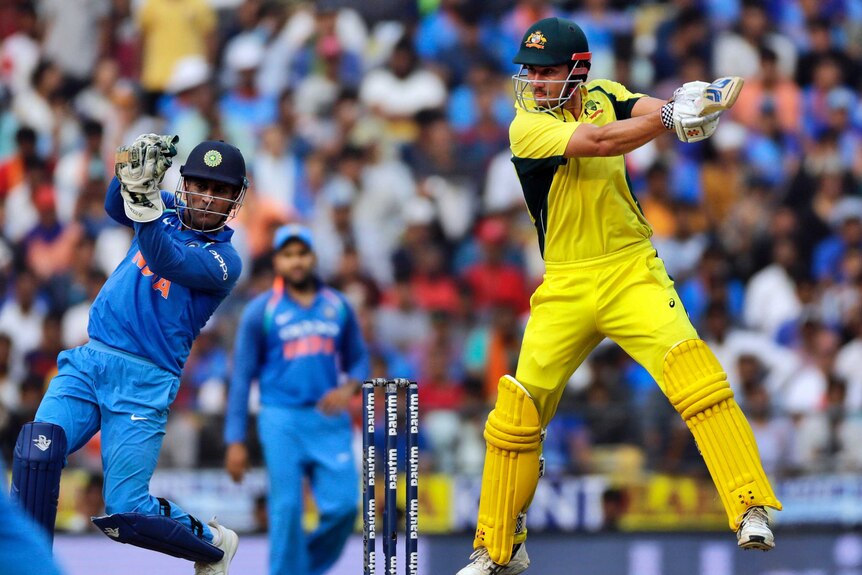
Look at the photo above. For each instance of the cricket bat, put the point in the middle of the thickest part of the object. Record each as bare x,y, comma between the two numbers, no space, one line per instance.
721,94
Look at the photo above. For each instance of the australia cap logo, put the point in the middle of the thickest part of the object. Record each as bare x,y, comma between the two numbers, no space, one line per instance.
212,158
536,40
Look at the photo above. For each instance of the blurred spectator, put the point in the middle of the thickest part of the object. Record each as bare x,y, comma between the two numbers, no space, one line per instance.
76,168
682,251
829,438
88,503
82,25
846,220
33,104
502,190
848,360
776,365
13,168
770,297
400,90
171,30
819,47
442,176
736,52
22,316
774,433
773,87
245,110
816,105
401,323
491,351
20,51
493,281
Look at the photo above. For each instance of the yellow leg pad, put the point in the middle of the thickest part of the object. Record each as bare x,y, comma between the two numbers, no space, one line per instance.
698,389
513,445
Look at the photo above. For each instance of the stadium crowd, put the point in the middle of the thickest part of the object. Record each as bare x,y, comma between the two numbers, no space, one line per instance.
383,126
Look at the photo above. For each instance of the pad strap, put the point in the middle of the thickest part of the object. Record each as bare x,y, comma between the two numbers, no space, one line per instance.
159,533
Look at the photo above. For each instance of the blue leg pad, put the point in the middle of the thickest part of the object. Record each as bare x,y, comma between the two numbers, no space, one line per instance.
158,533
40,454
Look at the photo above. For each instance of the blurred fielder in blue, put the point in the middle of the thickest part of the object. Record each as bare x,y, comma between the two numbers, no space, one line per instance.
302,342
179,268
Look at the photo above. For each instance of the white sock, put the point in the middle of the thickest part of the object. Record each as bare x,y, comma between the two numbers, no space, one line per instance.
216,537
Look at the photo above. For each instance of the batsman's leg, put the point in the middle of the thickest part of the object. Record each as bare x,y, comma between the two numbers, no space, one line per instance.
697,387
644,315
559,335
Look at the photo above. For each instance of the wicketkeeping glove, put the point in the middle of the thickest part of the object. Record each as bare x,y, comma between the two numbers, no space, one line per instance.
140,168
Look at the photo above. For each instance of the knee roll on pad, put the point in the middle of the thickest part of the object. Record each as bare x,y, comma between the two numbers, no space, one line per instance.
513,437
698,389
38,460
159,533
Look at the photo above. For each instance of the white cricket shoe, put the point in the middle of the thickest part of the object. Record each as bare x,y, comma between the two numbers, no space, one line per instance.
483,565
754,531
229,542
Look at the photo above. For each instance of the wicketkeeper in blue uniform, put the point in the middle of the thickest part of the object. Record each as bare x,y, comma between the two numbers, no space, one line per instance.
179,268
302,343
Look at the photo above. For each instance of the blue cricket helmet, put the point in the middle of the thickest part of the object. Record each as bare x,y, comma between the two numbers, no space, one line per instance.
216,160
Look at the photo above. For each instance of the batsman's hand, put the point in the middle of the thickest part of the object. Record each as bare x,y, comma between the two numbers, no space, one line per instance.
236,461
140,168
684,113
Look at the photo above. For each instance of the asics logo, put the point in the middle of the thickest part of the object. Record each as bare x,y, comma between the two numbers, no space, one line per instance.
42,442
138,418
112,532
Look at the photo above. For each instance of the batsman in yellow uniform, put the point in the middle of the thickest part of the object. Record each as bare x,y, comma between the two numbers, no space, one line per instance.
603,279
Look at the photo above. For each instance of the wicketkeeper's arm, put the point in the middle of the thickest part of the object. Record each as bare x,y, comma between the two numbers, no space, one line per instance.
213,268
114,204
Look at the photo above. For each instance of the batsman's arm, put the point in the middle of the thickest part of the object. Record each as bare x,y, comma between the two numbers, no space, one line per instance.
615,138
646,105
214,268
248,355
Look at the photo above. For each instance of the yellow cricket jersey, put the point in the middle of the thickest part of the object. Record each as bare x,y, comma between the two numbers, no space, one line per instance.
583,208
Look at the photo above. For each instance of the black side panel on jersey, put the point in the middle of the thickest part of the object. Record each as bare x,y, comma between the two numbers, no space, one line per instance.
536,176
623,109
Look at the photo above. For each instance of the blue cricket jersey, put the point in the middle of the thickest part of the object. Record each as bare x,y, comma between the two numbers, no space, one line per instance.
165,289
296,353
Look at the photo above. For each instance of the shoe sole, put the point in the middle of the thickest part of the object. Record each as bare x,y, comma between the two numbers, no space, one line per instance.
757,543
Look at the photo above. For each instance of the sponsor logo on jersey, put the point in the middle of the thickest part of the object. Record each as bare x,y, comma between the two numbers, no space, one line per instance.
221,264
